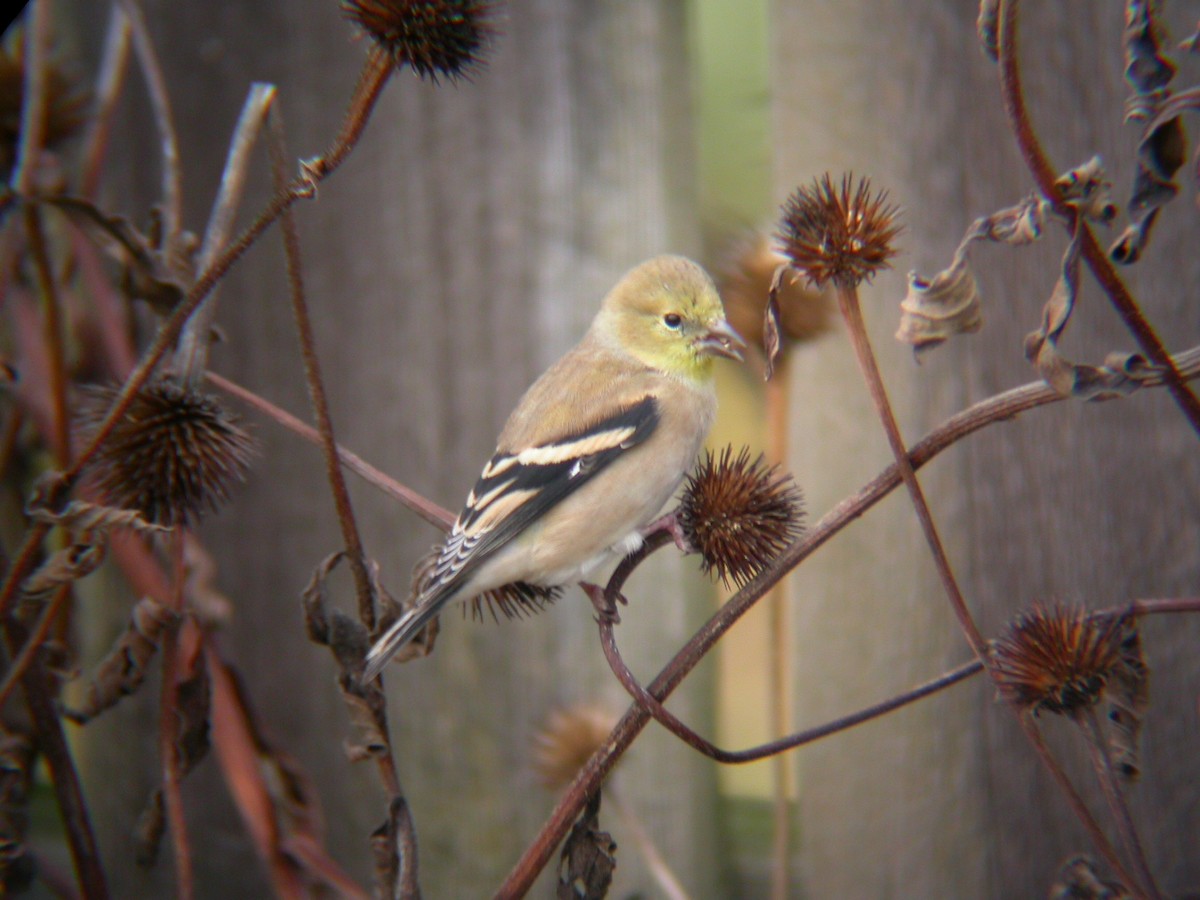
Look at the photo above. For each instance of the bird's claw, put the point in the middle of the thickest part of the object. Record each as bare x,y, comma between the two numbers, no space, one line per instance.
606,608
669,522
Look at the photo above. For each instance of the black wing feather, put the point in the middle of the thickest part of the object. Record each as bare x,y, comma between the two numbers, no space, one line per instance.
548,483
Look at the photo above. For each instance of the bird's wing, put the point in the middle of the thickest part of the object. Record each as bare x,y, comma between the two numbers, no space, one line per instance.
516,488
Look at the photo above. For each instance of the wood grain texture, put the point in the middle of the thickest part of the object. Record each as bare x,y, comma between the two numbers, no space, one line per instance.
1093,504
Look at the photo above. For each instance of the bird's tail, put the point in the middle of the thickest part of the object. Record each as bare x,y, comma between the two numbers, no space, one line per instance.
402,631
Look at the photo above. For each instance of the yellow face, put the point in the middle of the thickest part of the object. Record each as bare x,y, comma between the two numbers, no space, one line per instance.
667,313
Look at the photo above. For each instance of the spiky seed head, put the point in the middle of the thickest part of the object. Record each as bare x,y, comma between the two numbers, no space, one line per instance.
567,740
176,454
839,234
66,102
435,38
739,514
1057,659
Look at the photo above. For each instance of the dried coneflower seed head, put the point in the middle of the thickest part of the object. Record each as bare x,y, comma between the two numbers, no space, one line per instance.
843,235
435,38
1058,660
175,454
567,740
739,514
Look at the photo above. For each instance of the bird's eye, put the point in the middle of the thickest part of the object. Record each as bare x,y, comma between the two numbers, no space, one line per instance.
672,320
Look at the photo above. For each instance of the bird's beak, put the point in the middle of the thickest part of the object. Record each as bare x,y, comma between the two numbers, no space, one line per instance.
721,340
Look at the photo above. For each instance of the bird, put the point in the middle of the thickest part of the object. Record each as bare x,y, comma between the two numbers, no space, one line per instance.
593,450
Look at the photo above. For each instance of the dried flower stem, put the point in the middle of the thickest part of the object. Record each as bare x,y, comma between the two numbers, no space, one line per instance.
779,654
18,667
168,730
109,83
356,555
33,99
852,312
776,747
848,302
659,869
52,323
435,515
195,338
160,104
1098,747
1102,268
998,408
68,792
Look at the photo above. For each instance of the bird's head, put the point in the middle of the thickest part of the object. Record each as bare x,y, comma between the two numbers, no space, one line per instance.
668,314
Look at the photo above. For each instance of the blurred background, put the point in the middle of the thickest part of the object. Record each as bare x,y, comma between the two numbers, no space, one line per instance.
467,243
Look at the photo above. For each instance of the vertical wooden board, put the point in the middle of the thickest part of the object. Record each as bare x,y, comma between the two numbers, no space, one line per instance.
1057,506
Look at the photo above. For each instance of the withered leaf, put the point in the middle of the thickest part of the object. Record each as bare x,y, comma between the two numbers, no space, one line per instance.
1077,879
1146,67
82,516
934,311
149,830
1128,696
589,857
1128,247
1120,375
1014,225
148,275
772,326
16,776
364,704
393,846
1088,189
987,26
1191,44
64,567
123,670
193,705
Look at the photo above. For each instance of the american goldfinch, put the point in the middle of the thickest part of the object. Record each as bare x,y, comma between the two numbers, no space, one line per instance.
594,449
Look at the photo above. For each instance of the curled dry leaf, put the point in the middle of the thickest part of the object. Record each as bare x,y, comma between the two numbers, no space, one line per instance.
1128,699
772,330
1147,69
348,640
64,567
148,275
1077,879
589,857
1088,189
16,778
393,846
934,311
123,670
1070,379
149,830
82,516
987,26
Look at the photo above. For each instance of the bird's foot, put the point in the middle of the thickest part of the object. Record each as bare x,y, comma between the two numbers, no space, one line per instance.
606,609
669,522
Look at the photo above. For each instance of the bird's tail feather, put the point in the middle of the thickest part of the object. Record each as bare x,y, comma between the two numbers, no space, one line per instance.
402,631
